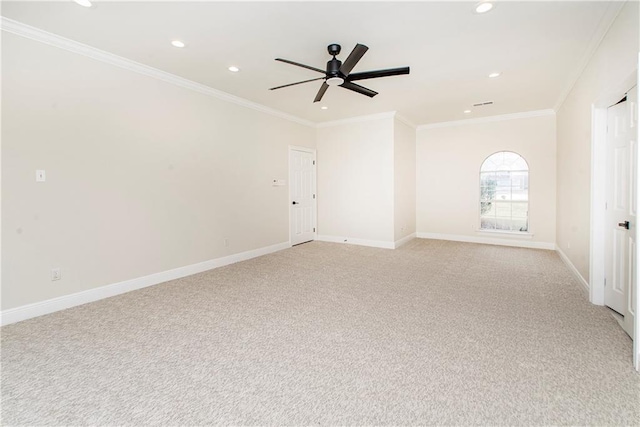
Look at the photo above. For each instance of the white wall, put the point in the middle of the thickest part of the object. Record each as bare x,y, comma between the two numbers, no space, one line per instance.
355,181
142,176
448,165
613,63
404,158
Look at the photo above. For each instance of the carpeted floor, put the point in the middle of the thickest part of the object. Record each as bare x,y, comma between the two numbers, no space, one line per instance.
432,333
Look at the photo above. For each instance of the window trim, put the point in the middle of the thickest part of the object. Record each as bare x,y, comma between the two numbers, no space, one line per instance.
506,233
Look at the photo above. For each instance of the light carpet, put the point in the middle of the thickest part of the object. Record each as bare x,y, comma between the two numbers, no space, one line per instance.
435,332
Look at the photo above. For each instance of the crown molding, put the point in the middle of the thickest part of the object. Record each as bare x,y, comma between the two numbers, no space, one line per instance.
36,34
524,115
367,118
613,10
357,119
406,121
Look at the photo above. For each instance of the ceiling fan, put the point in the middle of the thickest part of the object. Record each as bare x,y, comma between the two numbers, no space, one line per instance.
338,73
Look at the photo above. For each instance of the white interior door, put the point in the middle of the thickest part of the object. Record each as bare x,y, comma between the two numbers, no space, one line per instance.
302,189
629,321
620,239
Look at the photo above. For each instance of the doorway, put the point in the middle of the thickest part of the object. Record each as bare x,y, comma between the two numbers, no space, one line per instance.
603,244
302,195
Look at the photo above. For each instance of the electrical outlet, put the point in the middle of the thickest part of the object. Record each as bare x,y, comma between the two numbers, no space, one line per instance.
226,242
56,274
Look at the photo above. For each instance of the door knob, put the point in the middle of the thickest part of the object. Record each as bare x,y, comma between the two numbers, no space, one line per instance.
295,203
624,224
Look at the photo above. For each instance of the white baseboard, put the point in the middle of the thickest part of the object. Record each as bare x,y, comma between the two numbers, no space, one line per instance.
573,269
488,240
67,301
362,242
404,240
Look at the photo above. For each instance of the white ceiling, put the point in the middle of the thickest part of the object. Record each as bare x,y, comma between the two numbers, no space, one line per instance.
538,46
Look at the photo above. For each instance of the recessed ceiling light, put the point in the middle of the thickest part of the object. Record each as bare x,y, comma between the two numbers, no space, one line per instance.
234,69
177,43
324,107
85,3
484,7
494,75
467,111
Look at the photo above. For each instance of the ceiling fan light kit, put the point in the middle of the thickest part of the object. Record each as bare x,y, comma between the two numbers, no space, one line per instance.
338,73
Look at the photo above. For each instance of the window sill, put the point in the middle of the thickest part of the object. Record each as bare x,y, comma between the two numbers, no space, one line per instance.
520,234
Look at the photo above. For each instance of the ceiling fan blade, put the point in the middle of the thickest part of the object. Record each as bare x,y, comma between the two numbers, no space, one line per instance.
378,73
321,92
301,65
353,58
296,83
360,89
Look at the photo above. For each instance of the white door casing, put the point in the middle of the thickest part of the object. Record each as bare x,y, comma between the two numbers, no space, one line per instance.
302,195
621,204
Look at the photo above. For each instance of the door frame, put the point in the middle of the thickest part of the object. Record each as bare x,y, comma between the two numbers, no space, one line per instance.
598,199
315,187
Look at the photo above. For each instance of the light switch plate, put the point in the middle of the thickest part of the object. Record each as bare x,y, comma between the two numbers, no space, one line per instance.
40,176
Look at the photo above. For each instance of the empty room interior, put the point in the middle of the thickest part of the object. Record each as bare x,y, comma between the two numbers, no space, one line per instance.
319,213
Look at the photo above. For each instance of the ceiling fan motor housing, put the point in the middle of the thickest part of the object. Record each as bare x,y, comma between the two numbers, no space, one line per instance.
333,67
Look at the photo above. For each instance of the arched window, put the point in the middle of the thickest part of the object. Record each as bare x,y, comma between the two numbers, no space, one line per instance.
504,192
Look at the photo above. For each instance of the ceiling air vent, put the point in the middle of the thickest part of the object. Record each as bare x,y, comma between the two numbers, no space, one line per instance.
482,104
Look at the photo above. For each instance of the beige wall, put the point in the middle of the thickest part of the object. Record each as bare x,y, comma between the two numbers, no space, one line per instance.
142,176
404,170
448,167
613,63
355,180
